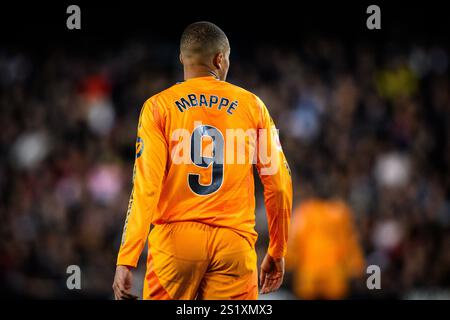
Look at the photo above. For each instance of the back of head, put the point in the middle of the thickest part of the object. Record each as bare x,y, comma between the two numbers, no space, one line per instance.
203,39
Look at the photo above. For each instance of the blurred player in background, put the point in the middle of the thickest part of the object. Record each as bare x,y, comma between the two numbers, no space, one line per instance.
201,204
324,252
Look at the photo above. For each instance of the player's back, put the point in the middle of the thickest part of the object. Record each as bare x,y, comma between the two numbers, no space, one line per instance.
210,127
193,181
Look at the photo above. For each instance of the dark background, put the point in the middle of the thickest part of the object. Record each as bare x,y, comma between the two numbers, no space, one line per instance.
281,22
285,52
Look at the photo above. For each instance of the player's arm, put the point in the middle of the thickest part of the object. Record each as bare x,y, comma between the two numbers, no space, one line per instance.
148,175
275,175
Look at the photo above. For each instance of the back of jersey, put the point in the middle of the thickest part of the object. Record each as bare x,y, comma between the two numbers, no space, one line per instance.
211,129
197,143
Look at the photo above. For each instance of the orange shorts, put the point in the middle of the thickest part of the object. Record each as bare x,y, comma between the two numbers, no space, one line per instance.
192,260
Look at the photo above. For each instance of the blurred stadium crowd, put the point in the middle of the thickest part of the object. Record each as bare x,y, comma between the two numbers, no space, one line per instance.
368,124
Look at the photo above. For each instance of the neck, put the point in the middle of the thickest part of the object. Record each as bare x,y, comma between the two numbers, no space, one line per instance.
199,71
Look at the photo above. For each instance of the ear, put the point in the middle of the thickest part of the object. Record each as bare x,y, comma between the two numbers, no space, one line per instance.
181,58
218,60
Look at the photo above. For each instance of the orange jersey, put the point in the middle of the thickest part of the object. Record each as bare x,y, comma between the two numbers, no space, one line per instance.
193,163
324,251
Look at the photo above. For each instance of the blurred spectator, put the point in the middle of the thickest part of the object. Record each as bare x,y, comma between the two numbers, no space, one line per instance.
373,121
324,253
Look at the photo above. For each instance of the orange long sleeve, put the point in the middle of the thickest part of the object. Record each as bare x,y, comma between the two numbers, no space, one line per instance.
148,175
275,175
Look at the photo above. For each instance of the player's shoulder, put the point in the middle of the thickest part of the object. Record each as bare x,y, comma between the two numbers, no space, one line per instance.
152,100
253,103
247,94
310,204
153,107
340,206
157,100
171,93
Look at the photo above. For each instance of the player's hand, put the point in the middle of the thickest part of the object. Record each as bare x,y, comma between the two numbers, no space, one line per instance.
122,283
271,275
